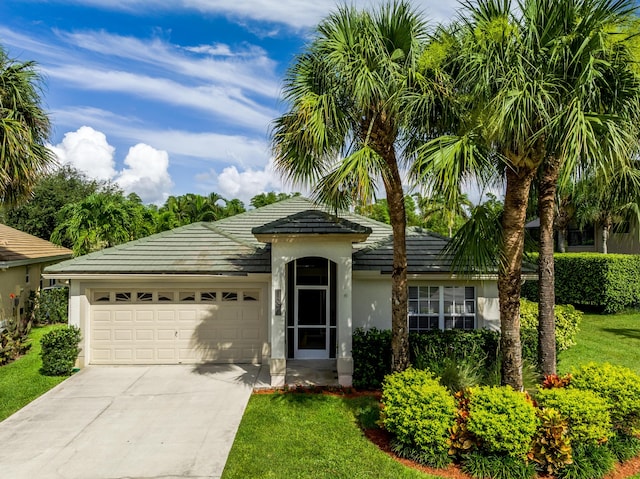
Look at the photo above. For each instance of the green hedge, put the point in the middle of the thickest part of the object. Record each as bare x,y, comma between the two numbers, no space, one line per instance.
610,282
52,306
60,351
567,322
372,351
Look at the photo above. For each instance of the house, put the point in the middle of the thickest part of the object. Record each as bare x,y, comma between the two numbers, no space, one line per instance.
285,281
623,238
22,259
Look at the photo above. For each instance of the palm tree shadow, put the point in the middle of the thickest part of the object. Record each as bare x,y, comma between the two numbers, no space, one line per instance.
246,374
626,332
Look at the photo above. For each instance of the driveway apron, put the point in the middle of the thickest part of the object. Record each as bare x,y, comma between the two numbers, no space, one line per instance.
129,422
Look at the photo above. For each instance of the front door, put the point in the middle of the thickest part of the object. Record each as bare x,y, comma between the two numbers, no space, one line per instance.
311,328
312,335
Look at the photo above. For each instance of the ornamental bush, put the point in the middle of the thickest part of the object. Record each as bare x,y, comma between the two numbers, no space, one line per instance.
609,282
371,357
619,386
51,306
502,419
418,411
586,411
567,319
60,351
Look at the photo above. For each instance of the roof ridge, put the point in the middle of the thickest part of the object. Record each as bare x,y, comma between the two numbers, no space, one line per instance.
270,206
216,228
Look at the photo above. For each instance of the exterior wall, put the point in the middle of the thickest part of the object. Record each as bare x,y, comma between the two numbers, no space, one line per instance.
12,281
372,300
282,253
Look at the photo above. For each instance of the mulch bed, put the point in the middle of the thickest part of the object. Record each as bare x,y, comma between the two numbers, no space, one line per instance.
382,438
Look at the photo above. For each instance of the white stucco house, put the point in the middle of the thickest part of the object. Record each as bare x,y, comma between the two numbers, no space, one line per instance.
286,281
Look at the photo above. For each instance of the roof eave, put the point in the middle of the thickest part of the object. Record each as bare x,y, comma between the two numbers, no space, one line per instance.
288,237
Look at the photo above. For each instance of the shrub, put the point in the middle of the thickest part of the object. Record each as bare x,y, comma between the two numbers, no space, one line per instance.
60,351
551,449
503,420
371,357
418,411
619,386
624,447
51,306
587,413
589,462
609,282
567,319
497,467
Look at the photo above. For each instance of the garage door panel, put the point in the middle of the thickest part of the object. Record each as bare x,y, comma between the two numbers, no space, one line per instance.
169,333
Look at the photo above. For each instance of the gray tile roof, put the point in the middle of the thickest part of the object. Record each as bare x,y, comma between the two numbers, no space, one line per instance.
226,246
313,222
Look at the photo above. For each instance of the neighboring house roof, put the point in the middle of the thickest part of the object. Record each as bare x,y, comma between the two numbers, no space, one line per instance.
19,248
230,246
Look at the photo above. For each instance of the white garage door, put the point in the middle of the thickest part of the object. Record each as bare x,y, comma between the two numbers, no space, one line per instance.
179,326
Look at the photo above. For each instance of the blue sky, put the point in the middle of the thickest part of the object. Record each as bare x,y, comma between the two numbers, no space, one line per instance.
168,96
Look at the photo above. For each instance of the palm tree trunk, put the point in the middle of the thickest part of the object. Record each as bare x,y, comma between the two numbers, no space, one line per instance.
548,185
398,219
606,228
510,275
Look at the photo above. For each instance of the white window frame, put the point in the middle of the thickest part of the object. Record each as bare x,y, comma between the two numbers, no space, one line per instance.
456,312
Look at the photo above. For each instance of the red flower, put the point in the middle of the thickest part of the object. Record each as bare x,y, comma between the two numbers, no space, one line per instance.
12,296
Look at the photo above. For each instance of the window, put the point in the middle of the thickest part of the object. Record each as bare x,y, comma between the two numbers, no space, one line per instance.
208,296
123,297
165,296
27,275
144,297
229,296
101,297
250,296
187,296
441,307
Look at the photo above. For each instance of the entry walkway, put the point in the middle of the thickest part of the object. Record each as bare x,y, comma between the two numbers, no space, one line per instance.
303,373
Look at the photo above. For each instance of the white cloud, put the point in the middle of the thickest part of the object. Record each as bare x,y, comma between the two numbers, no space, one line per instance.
242,150
146,171
245,184
146,174
88,151
296,14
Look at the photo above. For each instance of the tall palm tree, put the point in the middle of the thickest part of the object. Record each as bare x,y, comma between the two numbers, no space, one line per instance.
522,107
24,129
348,122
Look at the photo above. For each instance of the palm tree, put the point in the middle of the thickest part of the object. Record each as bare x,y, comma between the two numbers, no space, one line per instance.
519,109
348,122
441,217
24,129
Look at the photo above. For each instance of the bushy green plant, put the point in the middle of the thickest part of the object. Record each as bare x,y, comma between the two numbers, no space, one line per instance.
371,357
551,449
418,411
503,420
590,461
51,306
483,466
567,320
619,386
609,282
586,411
60,351
623,446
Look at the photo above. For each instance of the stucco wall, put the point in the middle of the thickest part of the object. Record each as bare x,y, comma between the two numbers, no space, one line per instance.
12,281
372,301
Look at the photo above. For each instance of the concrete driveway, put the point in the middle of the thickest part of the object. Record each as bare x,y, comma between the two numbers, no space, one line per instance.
129,422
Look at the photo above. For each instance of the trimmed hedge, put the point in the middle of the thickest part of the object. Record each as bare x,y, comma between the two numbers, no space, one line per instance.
372,351
419,412
609,282
60,351
52,306
567,321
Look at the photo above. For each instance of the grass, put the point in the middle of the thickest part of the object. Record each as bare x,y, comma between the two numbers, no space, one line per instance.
21,381
309,436
613,338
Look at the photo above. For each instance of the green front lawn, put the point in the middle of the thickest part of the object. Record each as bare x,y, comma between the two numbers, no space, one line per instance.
308,436
21,381
613,338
